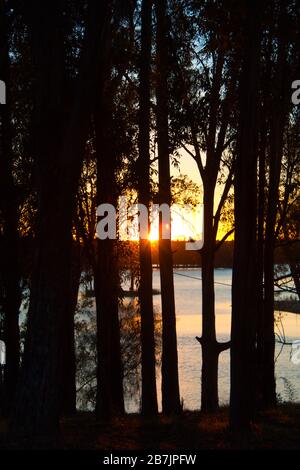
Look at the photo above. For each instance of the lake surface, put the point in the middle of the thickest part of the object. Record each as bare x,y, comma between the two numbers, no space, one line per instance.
188,313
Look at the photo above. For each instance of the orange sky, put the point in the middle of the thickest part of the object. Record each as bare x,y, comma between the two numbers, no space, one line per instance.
189,167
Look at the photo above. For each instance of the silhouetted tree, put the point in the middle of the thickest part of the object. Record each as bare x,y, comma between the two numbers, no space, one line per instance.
10,276
60,137
68,357
204,128
170,382
149,396
245,211
279,110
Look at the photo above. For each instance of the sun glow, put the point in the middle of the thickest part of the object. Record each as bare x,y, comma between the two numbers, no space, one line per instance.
182,228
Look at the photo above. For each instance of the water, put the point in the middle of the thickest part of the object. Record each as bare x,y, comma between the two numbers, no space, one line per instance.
188,319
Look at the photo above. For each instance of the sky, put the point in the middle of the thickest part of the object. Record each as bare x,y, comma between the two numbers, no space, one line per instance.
189,167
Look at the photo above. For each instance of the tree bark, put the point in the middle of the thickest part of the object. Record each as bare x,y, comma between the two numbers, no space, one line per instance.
68,358
215,144
170,382
210,347
149,394
110,398
279,116
260,256
60,142
244,263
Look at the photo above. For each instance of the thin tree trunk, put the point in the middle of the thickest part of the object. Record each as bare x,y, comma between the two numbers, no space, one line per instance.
68,359
210,353
244,263
260,260
211,348
109,401
110,398
170,382
209,174
279,116
149,394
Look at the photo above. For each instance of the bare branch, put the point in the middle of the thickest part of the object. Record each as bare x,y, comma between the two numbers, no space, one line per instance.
220,243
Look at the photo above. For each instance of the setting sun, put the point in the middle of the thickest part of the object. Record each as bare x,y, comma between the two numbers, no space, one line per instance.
183,226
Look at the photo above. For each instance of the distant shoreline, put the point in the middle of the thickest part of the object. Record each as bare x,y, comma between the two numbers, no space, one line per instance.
287,306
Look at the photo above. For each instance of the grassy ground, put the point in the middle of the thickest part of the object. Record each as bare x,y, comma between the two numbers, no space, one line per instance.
278,429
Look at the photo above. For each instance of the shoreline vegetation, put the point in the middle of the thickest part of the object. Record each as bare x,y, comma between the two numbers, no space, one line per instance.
182,258
287,306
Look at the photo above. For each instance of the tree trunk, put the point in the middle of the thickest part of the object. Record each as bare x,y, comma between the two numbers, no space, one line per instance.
209,377
9,271
279,116
110,399
36,411
244,263
170,382
215,146
149,394
68,359
260,259
60,143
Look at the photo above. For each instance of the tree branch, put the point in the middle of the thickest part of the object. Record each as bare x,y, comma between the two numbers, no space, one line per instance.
220,243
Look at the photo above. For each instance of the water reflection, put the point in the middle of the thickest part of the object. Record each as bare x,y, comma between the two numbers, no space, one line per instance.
188,308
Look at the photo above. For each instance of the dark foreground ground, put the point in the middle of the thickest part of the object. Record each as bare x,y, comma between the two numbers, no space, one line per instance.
278,429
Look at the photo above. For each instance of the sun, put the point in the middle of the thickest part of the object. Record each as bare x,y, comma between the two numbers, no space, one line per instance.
153,234
177,229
